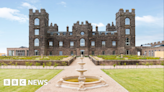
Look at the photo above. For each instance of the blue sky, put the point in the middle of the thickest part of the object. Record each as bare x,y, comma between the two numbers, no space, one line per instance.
14,23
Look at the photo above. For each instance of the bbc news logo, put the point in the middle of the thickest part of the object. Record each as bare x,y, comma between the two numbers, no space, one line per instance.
23,82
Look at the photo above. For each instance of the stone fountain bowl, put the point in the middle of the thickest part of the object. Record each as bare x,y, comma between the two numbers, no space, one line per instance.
67,82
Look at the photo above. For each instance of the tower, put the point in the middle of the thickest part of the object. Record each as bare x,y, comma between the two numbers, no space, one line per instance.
125,26
38,24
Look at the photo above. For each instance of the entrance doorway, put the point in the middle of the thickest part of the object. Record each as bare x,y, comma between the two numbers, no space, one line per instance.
82,52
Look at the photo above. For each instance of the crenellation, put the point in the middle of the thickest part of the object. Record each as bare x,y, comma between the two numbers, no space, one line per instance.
79,31
30,11
36,12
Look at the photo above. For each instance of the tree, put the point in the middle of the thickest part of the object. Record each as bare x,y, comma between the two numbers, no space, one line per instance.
124,64
49,64
114,65
43,65
64,64
136,65
55,64
147,64
30,65
26,63
36,64
119,63
10,63
15,64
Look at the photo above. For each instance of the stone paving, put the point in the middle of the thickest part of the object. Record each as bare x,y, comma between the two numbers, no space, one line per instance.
92,71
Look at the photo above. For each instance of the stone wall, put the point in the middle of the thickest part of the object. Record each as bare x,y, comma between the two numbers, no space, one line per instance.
23,62
128,62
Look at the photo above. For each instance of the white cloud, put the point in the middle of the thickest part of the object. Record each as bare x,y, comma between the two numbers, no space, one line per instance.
99,25
144,39
63,3
12,14
27,5
149,21
32,1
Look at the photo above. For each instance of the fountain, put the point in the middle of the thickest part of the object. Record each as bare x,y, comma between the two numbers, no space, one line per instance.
81,82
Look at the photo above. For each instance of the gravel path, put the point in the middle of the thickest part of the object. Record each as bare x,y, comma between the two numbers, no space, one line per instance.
92,71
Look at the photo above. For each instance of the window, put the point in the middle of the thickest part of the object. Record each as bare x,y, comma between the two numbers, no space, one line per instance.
36,52
58,33
127,42
36,42
60,53
51,34
149,53
145,53
113,52
112,33
127,21
71,52
127,31
103,52
93,33
93,52
82,42
106,33
70,33
27,53
82,33
20,52
36,31
113,43
103,43
60,43
127,52
92,43
50,53
11,52
50,43
71,43
36,22
64,33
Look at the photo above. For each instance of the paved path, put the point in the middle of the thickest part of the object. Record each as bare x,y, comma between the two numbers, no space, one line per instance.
92,71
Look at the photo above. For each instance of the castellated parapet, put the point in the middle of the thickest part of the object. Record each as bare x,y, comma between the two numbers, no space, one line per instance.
81,38
156,43
121,13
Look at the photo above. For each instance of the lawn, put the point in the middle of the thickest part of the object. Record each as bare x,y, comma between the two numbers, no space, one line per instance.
24,74
139,80
125,57
32,57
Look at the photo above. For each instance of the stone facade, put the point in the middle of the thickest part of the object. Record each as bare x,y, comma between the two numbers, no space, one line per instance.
113,33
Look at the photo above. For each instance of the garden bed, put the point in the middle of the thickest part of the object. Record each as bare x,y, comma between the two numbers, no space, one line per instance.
38,62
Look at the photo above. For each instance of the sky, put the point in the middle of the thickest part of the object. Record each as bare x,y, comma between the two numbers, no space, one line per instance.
14,17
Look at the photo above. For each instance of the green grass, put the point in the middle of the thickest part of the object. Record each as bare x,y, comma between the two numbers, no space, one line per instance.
24,74
139,80
129,57
32,57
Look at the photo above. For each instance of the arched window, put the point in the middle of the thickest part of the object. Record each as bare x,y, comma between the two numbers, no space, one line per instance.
127,21
127,42
82,42
50,43
36,42
82,33
36,52
113,52
36,22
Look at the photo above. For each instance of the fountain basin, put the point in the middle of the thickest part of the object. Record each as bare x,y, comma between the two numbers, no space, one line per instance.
73,83
81,70
81,63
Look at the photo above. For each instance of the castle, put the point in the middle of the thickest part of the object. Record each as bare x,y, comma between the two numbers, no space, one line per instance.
47,40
